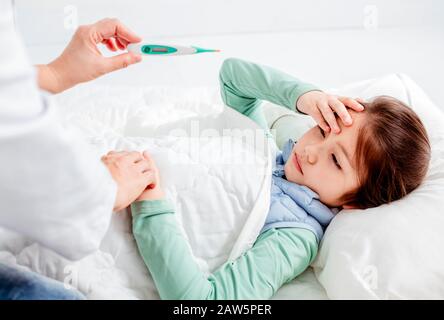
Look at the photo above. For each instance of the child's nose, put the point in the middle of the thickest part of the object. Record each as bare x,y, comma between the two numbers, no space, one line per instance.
311,154
312,159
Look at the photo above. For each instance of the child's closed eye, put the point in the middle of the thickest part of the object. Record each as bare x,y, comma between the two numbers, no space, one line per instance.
333,157
322,131
335,161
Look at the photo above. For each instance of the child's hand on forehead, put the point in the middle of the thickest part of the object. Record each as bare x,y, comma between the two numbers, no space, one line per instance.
322,106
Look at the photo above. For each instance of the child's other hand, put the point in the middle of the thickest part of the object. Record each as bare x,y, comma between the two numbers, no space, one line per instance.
153,191
322,106
132,174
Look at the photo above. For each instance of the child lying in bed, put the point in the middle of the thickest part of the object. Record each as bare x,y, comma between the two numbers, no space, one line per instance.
378,159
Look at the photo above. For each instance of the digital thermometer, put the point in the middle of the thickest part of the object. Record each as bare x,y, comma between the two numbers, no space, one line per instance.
165,50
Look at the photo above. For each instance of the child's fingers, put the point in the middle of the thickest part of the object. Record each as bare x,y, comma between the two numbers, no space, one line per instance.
317,116
329,116
152,183
341,111
360,100
150,178
351,103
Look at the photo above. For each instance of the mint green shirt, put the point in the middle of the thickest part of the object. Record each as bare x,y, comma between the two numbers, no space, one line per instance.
277,256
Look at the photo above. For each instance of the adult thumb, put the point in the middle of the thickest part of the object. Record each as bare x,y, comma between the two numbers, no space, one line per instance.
121,61
146,155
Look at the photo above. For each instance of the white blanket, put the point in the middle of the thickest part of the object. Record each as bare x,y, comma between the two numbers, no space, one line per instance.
217,175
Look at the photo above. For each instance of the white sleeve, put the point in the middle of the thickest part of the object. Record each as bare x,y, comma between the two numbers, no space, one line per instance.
53,187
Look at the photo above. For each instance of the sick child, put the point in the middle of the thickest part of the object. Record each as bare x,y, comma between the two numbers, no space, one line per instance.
360,155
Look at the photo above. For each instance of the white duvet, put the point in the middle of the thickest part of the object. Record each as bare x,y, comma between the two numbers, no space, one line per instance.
216,172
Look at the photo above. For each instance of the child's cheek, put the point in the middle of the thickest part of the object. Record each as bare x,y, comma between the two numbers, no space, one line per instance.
289,172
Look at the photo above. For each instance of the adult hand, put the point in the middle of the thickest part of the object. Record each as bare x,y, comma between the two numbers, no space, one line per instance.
132,173
153,191
322,106
81,61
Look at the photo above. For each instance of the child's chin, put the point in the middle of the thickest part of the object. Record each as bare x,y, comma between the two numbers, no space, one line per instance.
292,176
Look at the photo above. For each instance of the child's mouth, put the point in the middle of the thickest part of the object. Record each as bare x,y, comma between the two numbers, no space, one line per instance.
297,163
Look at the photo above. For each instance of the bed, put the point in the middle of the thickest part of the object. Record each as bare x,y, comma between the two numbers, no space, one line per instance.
358,259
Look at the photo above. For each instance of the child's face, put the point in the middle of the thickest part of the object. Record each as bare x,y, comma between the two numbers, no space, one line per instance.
325,167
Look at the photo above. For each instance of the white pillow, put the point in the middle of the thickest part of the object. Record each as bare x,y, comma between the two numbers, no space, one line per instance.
393,251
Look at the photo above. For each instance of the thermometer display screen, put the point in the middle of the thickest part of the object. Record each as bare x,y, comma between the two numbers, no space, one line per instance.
157,49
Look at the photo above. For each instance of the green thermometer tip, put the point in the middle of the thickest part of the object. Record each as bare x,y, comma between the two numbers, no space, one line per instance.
200,50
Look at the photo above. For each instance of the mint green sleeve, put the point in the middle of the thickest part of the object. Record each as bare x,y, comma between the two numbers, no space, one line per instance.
244,85
277,257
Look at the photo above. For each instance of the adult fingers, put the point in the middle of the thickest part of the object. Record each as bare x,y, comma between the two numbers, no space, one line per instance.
134,157
147,156
111,27
121,61
114,153
110,44
121,43
150,160
143,166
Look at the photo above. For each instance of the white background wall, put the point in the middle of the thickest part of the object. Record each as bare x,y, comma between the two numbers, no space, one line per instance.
328,42
209,17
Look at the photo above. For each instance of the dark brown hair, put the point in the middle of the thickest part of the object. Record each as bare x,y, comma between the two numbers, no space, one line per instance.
392,154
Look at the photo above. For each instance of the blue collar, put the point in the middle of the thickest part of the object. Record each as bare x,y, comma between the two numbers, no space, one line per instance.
282,158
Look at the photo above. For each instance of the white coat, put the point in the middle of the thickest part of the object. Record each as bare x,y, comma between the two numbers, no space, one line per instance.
53,187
